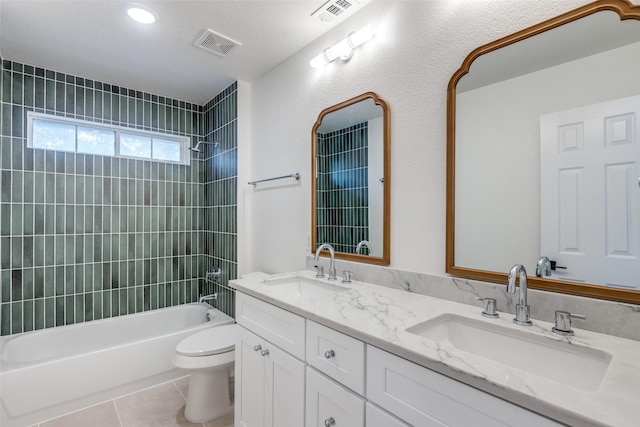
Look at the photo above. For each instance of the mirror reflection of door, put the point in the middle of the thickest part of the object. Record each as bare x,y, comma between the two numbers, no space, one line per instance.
590,192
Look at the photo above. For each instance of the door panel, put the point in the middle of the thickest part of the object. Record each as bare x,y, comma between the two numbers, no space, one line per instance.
590,194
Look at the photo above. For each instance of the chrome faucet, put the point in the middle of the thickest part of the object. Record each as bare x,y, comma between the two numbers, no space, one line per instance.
332,264
208,297
543,267
363,244
522,309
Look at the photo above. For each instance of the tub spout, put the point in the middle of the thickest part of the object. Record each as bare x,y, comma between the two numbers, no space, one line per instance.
208,297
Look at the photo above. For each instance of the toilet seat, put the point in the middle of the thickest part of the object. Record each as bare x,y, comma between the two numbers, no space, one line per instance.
211,341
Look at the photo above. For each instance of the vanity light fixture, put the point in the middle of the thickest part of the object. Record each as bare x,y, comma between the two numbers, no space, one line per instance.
344,49
141,14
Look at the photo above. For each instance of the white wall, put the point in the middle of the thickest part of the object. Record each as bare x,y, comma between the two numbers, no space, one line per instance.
418,46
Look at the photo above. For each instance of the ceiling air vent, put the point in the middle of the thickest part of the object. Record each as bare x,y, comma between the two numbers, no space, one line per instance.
217,43
333,8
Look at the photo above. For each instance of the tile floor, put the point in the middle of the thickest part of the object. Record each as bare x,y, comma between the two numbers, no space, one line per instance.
159,406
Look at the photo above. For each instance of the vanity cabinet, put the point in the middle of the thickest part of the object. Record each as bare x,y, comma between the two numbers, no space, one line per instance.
293,372
377,417
270,382
337,355
426,398
335,378
330,404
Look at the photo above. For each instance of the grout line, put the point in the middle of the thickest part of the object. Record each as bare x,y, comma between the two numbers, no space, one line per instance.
113,402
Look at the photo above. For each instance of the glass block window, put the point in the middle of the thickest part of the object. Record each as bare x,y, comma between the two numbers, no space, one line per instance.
79,136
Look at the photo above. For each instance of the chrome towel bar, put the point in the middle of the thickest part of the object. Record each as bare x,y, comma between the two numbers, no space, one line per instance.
293,175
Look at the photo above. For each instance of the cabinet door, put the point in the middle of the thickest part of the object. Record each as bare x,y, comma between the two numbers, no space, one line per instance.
250,381
329,404
285,389
377,417
337,355
426,398
278,326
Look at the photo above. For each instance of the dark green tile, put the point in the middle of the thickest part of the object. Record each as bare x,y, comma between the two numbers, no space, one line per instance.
16,317
69,316
39,314
50,312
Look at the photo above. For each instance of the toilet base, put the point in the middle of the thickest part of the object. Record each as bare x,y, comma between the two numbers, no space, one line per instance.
208,396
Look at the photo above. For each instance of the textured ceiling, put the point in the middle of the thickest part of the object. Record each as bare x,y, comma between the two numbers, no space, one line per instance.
95,39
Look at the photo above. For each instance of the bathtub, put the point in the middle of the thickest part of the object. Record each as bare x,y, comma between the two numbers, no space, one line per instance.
51,372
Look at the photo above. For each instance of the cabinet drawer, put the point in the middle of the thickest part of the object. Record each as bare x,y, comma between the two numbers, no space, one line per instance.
329,404
281,327
377,417
422,397
338,355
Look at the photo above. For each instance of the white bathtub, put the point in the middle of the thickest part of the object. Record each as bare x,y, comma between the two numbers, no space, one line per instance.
47,373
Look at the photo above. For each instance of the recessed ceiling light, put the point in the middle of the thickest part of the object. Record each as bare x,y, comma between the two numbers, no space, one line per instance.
141,14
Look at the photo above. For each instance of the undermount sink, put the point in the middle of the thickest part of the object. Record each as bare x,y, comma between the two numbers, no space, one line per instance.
561,361
303,287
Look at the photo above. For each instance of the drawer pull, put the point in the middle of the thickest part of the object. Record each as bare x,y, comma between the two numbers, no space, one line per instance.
329,422
257,347
265,352
329,354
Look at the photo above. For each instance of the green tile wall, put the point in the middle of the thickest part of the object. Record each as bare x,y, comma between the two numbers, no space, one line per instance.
85,237
220,183
342,212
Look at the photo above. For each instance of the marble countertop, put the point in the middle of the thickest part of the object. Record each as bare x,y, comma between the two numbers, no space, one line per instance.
379,316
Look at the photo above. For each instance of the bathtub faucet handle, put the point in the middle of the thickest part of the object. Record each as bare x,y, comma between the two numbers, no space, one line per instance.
213,275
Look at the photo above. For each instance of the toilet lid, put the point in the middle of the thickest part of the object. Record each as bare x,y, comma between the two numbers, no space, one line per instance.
214,340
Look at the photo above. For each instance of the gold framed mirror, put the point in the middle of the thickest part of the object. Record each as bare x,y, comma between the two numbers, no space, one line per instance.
350,186
499,106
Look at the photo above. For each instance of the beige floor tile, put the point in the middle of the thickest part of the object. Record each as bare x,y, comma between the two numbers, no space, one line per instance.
161,406
103,415
183,385
226,421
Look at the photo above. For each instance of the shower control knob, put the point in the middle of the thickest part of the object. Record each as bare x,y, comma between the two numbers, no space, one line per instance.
265,352
329,422
257,347
329,354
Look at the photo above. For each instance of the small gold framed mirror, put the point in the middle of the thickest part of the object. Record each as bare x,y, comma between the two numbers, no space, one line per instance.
350,186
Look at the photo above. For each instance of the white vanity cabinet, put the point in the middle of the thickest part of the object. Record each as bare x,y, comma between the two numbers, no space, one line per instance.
330,404
270,382
426,398
377,417
335,399
337,355
294,372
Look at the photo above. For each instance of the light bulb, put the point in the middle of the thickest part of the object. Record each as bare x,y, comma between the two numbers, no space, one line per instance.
342,50
360,37
141,14
318,61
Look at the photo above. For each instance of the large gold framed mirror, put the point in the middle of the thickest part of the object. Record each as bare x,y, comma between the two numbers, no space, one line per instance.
543,155
350,186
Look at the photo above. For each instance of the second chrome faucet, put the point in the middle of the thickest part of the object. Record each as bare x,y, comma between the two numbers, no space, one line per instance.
522,308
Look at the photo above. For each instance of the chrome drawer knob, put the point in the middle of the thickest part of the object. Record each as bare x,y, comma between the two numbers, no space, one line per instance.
329,422
257,347
329,354
265,352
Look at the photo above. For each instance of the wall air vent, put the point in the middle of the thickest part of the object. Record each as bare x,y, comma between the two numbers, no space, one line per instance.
217,43
334,8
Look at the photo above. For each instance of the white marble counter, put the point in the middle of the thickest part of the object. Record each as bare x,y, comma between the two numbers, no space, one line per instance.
379,316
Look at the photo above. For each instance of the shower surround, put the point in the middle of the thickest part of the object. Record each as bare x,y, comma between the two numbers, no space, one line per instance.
86,237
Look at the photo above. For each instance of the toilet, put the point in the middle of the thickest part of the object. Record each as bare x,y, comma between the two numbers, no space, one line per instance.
209,356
